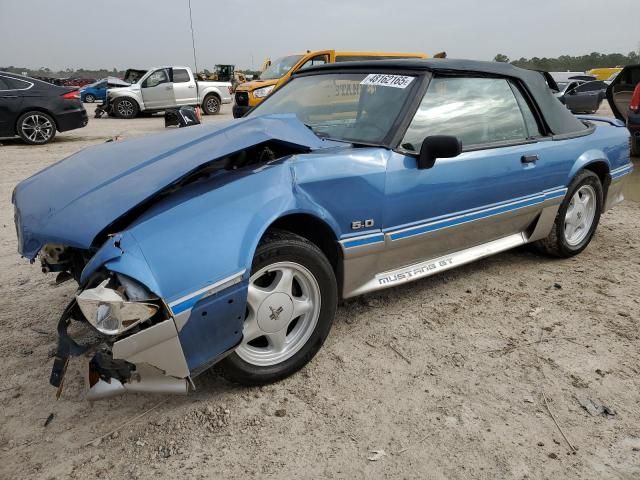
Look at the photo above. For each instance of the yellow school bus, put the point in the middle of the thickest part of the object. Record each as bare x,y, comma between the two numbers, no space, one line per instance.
250,94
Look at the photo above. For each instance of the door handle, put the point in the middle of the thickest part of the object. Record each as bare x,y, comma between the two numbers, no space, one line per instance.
529,158
192,86
168,88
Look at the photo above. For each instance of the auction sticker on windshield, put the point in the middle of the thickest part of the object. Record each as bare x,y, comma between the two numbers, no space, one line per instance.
395,81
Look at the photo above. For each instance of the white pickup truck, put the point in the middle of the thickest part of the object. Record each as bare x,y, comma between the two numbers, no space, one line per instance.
160,88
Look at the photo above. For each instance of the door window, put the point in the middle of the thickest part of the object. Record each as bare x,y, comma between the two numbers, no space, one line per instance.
15,84
590,87
3,85
630,76
317,60
533,129
479,111
156,78
180,75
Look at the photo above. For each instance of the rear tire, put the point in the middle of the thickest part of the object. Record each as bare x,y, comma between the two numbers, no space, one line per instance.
211,104
36,128
577,217
290,309
125,107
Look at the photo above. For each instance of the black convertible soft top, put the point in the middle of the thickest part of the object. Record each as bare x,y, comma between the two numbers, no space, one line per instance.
560,120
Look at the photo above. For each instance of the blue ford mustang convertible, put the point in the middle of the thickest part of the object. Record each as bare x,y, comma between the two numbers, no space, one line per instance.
231,244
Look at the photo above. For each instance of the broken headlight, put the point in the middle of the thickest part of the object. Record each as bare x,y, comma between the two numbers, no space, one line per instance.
110,312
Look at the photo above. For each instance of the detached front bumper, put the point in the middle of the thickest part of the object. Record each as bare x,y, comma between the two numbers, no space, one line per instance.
150,360
141,340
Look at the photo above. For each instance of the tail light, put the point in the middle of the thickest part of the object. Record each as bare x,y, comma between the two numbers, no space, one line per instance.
73,95
635,99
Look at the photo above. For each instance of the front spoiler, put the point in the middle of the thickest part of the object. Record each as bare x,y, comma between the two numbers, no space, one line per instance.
145,380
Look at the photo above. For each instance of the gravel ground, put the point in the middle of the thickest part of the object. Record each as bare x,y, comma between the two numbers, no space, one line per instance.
453,376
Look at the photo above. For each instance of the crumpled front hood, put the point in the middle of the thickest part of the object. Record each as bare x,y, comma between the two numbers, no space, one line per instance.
119,89
72,201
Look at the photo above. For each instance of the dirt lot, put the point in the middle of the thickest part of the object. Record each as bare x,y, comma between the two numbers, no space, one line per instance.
447,375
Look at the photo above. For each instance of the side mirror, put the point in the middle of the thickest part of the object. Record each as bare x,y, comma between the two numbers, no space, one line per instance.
438,146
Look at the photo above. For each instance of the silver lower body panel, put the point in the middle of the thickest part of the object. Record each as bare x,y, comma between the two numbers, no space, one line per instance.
427,268
390,262
615,193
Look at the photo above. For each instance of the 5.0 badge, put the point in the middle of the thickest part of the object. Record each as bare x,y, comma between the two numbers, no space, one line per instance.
359,224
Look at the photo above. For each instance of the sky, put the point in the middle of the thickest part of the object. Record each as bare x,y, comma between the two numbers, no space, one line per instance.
62,34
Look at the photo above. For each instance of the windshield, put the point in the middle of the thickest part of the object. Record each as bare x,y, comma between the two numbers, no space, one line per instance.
612,77
280,67
352,107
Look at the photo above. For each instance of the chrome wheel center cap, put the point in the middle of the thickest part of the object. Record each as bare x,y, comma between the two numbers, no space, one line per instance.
275,312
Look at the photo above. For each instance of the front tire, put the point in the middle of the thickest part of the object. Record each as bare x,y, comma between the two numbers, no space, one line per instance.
88,98
577,217
36,128
291,303
211,104
125,107
635,146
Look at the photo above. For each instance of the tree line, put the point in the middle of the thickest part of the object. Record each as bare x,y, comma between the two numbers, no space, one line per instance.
68,73
82,73
570,63
562,63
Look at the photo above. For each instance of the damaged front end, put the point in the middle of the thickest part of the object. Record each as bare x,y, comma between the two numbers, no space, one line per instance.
145,229
132,336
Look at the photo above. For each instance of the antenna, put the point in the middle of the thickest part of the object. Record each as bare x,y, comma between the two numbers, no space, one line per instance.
195,61
193,41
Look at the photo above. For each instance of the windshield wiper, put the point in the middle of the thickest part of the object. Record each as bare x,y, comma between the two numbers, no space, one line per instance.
318,134
352,141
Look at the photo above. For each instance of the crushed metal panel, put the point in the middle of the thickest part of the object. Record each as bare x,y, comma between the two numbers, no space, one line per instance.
158,346
145,379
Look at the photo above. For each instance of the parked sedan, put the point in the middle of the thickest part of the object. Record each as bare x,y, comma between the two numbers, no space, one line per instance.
35,110
584,97
98,90
624,97
232,243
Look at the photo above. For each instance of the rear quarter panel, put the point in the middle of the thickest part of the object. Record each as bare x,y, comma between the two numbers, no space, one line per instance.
608,144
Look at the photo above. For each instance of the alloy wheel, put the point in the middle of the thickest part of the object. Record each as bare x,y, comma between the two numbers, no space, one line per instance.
37,128
580,215
212,105
283,306
125,108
